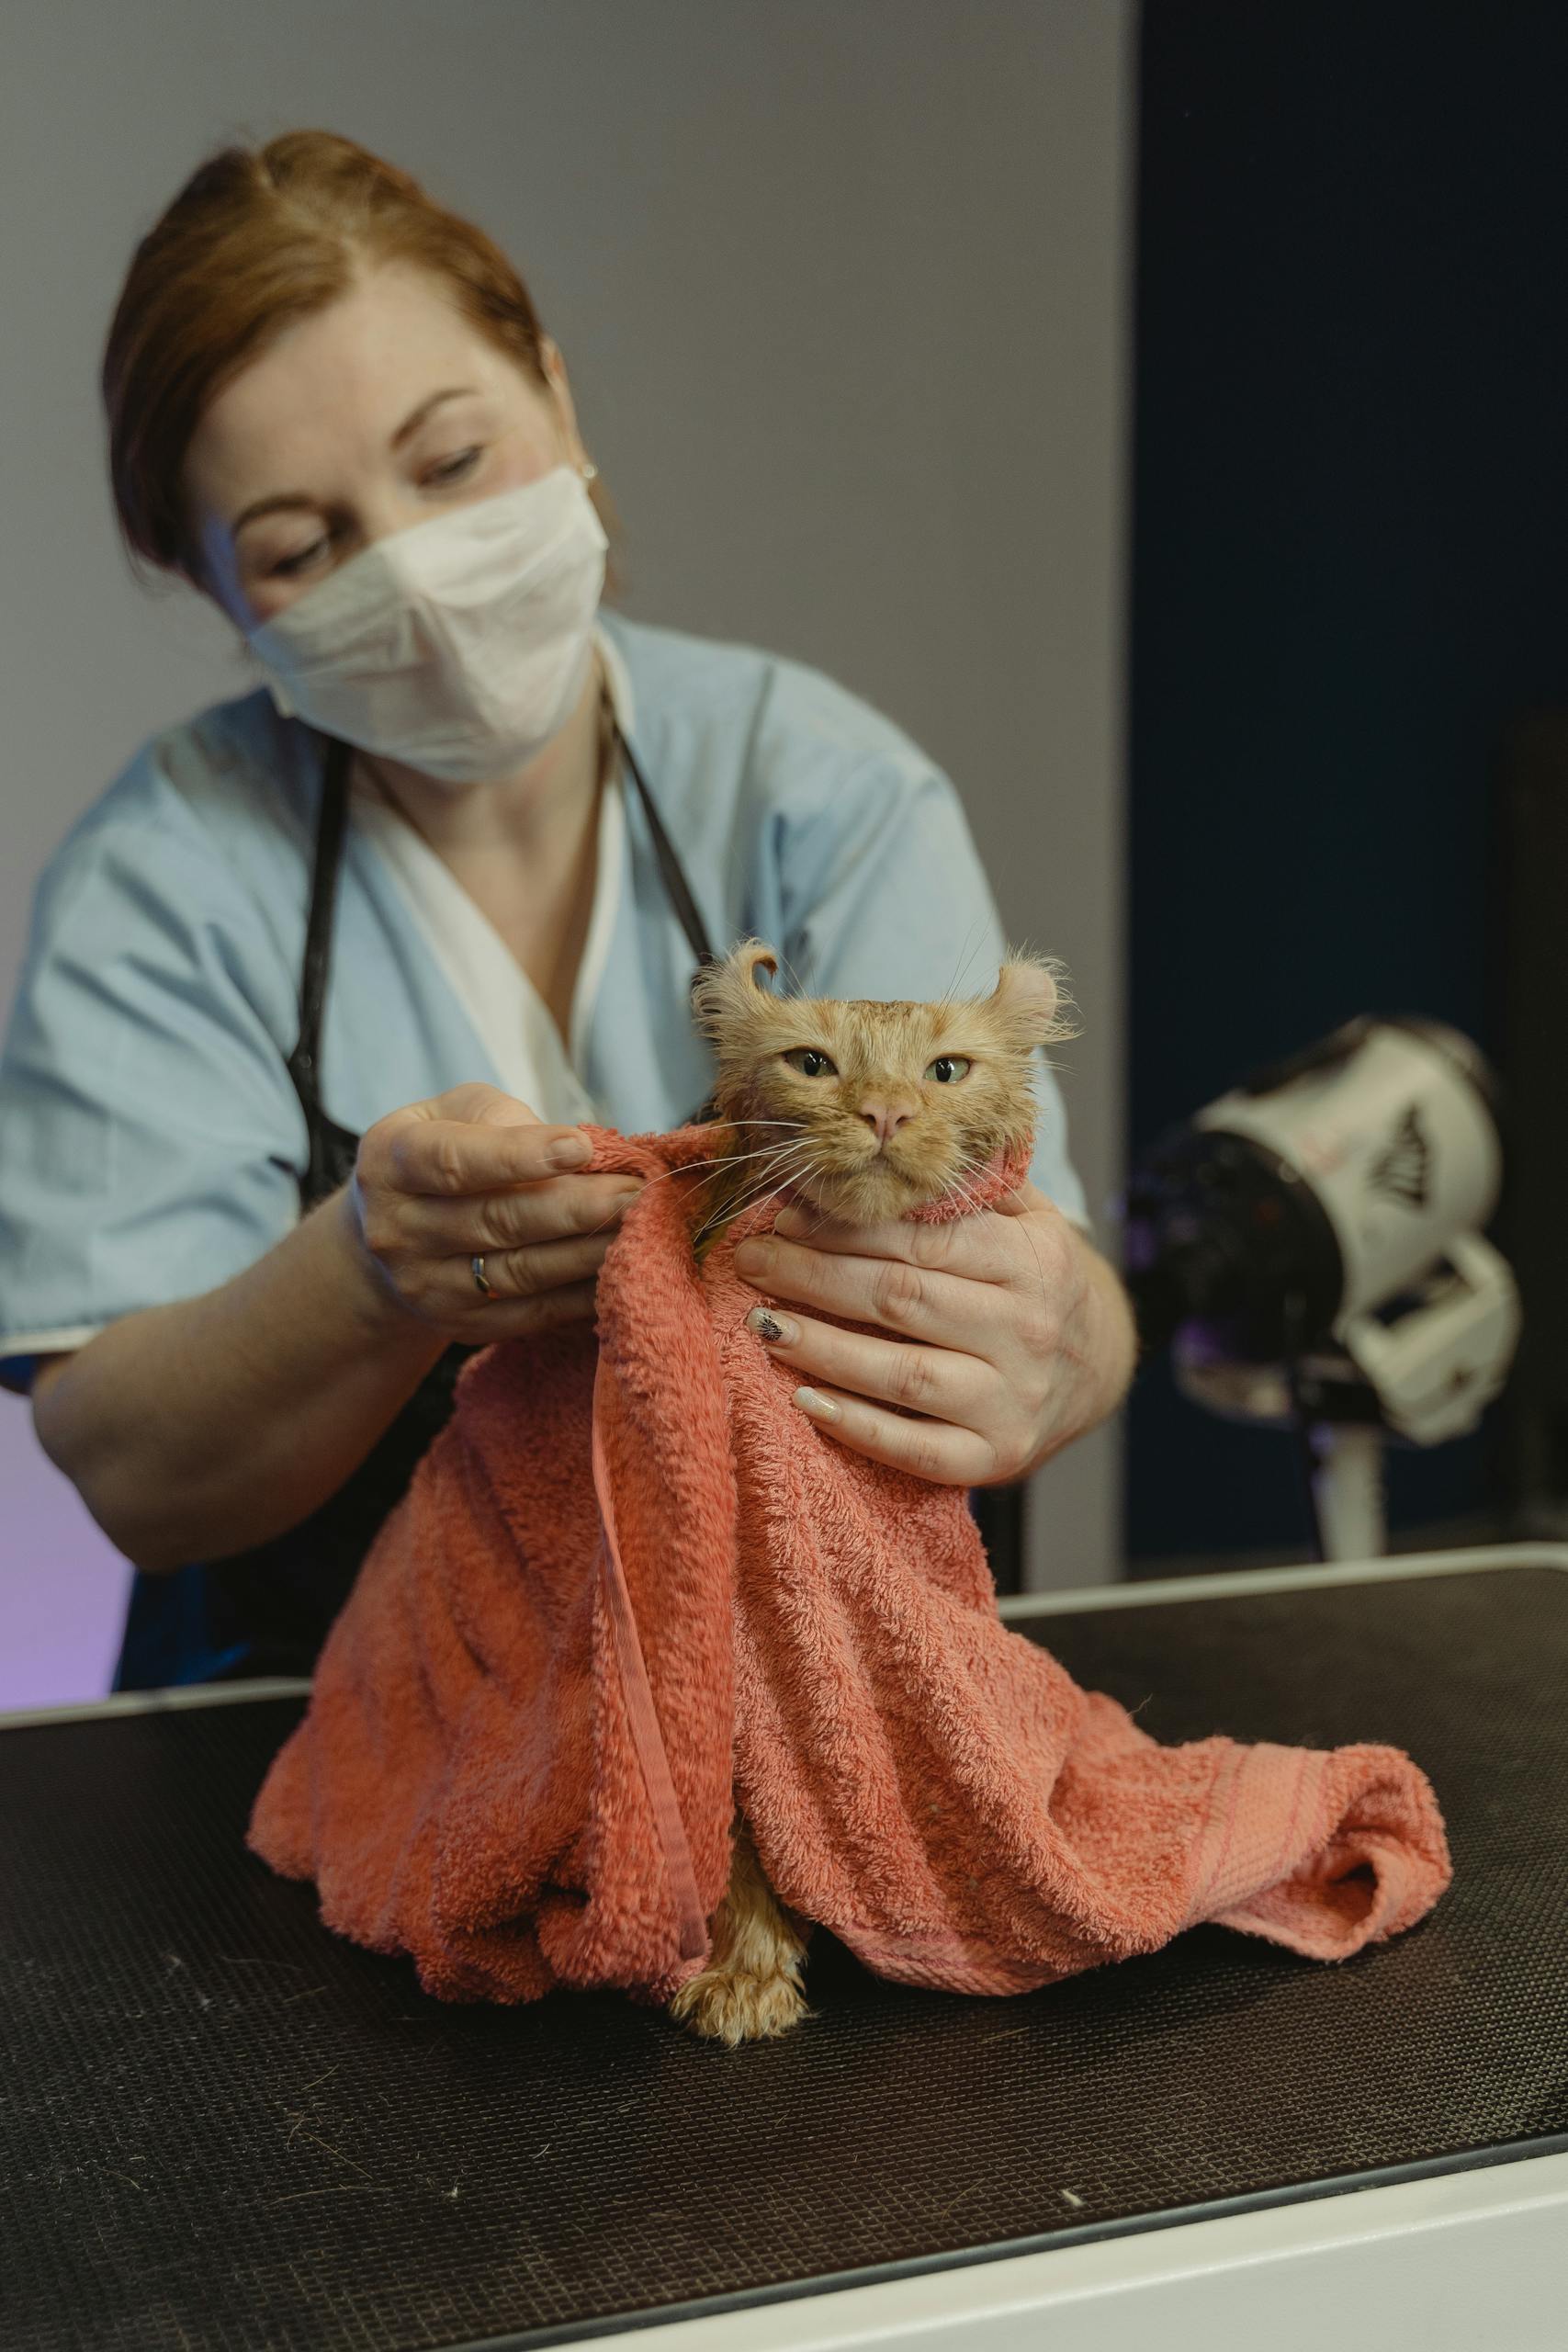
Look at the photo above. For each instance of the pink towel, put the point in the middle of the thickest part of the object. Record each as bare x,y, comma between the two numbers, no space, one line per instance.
632,1583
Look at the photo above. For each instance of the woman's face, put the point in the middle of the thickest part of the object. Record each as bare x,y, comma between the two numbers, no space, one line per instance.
364,418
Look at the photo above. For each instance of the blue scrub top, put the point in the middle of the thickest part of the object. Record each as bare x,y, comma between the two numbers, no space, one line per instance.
151,1141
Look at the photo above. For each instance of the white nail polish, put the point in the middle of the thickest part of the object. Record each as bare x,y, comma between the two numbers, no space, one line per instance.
823,1407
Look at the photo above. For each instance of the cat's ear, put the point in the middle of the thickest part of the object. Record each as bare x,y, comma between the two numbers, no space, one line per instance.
727,992
753,956
1030,1000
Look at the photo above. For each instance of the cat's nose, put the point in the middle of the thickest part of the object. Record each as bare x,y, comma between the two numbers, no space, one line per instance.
884,1119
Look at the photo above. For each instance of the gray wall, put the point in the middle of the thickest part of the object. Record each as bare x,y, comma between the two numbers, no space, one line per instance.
841,289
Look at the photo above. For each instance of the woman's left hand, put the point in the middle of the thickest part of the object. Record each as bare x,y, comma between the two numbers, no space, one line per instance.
1009,1335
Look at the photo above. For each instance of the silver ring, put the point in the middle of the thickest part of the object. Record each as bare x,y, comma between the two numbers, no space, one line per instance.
483,1284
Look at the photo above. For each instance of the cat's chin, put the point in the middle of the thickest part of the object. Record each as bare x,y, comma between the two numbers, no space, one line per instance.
863,1195
879,1188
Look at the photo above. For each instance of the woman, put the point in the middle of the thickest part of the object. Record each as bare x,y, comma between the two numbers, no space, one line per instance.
318,990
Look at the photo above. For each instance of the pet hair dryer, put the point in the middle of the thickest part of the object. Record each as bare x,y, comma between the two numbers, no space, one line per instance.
1310,1246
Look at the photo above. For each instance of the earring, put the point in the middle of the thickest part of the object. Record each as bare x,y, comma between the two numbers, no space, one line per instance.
589,471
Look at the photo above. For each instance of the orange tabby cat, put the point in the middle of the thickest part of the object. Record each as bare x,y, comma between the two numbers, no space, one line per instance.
864,1109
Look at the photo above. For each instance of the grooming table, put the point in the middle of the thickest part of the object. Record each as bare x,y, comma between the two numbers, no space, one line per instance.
224,2126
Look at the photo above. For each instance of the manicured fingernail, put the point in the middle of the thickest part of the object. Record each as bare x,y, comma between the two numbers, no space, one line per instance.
569,1151
809,1402
754,1258
769,1326
790,1221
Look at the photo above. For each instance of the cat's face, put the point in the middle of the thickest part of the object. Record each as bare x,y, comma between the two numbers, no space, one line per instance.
875,1109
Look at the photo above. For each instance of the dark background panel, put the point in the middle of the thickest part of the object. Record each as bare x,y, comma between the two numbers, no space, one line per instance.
1350,509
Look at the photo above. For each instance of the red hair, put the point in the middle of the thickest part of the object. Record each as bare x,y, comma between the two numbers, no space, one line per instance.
255,239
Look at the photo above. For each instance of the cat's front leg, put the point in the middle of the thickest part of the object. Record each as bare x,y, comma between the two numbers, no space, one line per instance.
751,1986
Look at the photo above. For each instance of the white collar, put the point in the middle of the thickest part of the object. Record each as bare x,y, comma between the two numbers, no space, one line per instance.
508,1013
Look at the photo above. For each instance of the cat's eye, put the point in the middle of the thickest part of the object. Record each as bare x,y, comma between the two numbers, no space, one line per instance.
946,1068
809,1062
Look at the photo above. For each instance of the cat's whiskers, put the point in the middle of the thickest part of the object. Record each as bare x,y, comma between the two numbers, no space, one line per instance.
719,1159
772,1156
799,1174
827,1213
968,1192
734,1158
965,1192
803,1165
688,1167
778,1156
971,1167
758,1182
821,1221
802,1148
777,1165
955,1185
794,1177
722,1218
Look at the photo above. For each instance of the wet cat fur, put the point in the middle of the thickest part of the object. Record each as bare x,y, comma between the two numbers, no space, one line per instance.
801,1081
907,1099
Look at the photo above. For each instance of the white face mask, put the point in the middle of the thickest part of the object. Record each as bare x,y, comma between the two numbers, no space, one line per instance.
460,645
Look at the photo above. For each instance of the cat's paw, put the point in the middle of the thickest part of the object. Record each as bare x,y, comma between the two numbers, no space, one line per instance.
731,2005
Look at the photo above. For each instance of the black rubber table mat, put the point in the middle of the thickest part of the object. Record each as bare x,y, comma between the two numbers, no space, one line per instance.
226,2128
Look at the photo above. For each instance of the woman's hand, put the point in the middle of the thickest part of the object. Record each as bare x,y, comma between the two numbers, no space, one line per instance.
197,1430
475,1172
1009,1335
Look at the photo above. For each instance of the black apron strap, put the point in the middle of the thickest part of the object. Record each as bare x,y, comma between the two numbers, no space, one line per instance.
680,898
322,1173
675,882
331,820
